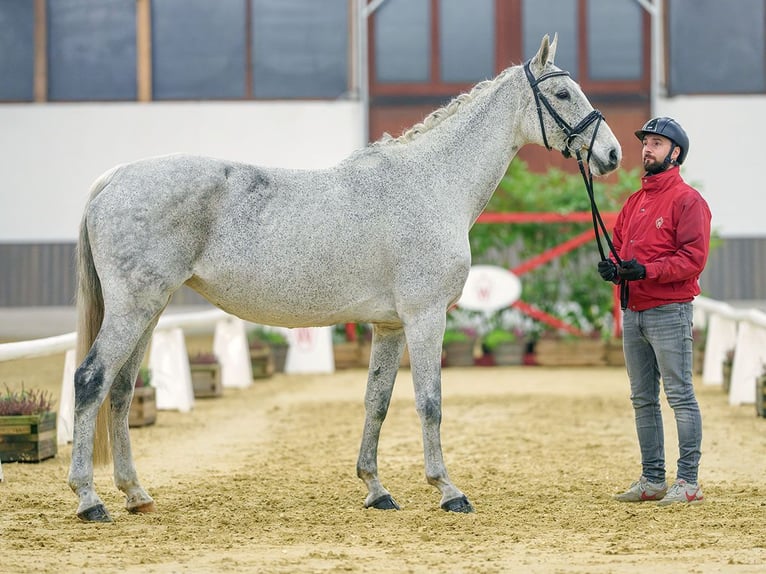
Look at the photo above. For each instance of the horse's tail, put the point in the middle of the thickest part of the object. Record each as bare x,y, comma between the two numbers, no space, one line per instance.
90,315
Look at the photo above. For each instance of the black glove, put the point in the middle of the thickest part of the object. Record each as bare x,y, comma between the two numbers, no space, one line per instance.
608,270
632,271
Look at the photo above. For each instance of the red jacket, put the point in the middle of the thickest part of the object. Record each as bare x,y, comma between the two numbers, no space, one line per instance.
665,226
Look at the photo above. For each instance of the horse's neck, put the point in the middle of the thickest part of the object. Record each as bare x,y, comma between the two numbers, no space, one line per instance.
477,144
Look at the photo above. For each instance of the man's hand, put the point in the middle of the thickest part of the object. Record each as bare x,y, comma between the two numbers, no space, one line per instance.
632,271
608,270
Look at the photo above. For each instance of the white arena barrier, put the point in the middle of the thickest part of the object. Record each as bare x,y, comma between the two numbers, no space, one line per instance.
743,330
169,366
310,350
231,348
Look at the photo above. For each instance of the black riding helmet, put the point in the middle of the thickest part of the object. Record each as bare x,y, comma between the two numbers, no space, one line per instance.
672,130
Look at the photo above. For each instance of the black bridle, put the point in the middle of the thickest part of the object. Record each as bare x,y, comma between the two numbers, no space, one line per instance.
572,134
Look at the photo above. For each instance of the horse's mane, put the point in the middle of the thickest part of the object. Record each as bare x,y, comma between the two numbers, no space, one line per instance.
438,116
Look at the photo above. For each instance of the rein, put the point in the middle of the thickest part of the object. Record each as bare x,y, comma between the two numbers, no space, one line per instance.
572,133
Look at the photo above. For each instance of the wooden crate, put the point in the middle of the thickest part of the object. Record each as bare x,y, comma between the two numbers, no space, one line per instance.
28,438
262,362
570,352
347,355
143,408
206,380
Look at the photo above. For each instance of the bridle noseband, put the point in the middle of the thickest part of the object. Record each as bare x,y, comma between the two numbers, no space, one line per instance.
571,134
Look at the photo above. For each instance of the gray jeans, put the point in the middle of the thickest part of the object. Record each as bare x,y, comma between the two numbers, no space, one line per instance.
658,343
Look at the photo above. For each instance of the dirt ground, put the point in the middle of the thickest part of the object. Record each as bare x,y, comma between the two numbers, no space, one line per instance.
263,480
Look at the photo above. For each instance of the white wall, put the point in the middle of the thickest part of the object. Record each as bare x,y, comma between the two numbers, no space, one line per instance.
51,153
726,157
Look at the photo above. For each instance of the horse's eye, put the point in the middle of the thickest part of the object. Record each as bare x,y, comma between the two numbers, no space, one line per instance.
562,94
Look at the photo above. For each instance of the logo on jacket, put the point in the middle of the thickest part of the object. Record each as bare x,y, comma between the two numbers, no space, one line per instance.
659,222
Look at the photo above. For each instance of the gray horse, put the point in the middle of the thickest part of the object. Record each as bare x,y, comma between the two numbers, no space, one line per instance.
381,238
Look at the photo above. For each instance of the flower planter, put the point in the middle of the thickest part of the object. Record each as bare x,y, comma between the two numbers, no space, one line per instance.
28,438
760,396
279,356
458,354
143,407
206,379
347,355
570,352
508,353
613,353
262,362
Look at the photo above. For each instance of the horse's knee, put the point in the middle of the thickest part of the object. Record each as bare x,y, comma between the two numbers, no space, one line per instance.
430,410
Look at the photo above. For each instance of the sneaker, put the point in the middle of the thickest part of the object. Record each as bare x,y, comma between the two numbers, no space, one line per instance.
642,490
682,491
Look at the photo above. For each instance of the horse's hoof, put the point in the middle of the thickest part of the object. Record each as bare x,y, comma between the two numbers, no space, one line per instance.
459,504
97,513
145,508
385,502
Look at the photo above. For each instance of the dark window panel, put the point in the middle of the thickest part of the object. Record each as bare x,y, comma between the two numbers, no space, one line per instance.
715,47
92,49
614,40
17,50
467,40
198,49
300,48
402,41
540,17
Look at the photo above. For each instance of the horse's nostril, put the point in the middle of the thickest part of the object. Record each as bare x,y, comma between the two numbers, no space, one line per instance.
613,156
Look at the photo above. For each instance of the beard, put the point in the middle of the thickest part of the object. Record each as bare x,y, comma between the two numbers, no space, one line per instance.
654,167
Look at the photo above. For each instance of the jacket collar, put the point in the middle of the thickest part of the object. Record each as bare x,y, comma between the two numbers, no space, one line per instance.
662,181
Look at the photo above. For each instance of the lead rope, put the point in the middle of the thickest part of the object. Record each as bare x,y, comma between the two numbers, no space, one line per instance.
598,222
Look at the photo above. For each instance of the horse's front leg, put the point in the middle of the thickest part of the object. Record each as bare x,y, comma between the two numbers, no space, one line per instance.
424,340
387,349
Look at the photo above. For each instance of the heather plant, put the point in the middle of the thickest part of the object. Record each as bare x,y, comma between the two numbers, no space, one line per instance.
25,402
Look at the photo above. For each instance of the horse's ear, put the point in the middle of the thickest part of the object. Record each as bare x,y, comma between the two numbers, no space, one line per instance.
541,58
552,49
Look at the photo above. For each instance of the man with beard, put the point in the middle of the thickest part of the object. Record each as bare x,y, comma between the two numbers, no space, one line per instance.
662,237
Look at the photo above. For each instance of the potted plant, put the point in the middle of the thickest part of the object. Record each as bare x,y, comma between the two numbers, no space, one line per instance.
458,346
346,347
205,375
505,347
143,407
268,351
27,426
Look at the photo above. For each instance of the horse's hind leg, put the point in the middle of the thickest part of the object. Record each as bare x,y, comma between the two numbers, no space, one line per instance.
387,349
113,348
137,500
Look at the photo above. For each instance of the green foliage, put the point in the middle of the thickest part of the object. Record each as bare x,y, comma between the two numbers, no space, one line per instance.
496,337
455,336
260,336
24,402
567,287
144,378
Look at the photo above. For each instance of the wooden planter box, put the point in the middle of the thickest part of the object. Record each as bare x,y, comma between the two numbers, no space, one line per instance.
613,354
347,355
508,353
143,408
206,379
262,362
760,396
28,438
459,354
570,352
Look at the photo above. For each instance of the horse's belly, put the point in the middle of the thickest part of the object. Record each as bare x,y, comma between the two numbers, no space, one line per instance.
289,303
